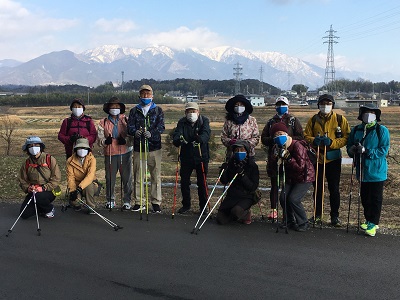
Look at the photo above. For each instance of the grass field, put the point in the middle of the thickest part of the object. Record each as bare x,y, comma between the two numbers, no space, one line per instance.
45,122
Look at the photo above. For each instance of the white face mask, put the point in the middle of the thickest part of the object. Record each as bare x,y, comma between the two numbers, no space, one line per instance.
77,111
82,152
325,109
192,117
114,111
368,118
239,109
34,150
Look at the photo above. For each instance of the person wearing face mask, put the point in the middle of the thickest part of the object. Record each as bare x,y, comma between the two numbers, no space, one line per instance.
370,142
146,124
299,175
295,131
117,147
81,175
192,134
329,130
76,126
41,174
240,195
239,125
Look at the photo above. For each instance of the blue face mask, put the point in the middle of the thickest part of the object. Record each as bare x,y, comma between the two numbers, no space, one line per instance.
145,101
280,140
239,156
282,109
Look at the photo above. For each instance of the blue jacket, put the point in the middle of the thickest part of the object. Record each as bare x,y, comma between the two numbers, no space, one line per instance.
374,163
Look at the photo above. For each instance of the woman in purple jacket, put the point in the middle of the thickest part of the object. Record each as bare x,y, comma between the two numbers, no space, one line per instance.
299,175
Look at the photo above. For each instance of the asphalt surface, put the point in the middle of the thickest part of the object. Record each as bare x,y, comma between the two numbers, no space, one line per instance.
80,256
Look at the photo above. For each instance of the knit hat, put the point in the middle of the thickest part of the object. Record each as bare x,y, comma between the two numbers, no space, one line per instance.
113,100
230,104
280,126
326,97
79,101
242,143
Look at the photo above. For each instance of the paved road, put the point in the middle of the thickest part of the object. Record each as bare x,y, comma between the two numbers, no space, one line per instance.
81,257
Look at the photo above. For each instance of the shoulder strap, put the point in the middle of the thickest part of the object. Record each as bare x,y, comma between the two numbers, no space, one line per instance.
378,132
69,122
313,120
292,121
37,167
339,119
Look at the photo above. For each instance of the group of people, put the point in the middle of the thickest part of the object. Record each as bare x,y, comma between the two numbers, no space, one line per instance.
290,164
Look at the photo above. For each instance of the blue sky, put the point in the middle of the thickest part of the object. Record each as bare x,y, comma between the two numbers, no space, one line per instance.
368,30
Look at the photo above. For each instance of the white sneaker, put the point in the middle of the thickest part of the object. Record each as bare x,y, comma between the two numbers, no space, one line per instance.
110,205
50,214
126,206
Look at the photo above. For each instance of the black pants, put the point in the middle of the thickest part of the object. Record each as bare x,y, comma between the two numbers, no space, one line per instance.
371,199
43,203
185,172
233,213
333,170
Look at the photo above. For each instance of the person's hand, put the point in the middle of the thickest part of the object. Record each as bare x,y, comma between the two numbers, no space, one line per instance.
285,154
108,140
195,144
232,141
147,134
224,166
138,134
326,141
360,149
31,188
317,140
352,149
121,141
182,140
73,196
74,137
79,190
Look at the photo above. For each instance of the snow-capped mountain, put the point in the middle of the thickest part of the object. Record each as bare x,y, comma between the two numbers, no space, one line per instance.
105,63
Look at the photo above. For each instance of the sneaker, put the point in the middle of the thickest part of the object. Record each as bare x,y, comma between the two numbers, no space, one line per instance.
371,229
336,222
317,220
137,207
303,227
290,225
126,206
50,214
110,205
364,225
247,218
156,208
77,208
183,210
273,215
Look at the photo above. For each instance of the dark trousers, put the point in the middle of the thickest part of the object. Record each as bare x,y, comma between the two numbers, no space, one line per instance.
371,199
294,194
333,170
238,212
185,172
43,203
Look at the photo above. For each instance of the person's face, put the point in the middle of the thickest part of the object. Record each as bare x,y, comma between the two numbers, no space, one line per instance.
115,106
76,105
278,133
239,104
191,110
280,103
326,102
239,149
146,94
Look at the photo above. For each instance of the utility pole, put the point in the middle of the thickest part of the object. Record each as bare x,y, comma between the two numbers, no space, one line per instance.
122,81
329,80
261,81
237,73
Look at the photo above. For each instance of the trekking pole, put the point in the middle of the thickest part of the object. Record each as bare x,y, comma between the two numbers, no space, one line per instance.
261,212
146,152
278,183
323,185
359,194
204,173
37,215
108,221
120,175
215,205
351,191
176,183
110,173
284,195
316,185
141,176
208,200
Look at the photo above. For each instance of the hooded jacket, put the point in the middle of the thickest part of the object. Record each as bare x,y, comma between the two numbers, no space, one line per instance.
80,175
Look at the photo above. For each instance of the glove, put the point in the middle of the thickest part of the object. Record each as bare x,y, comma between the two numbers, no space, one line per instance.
182,139
240,168
224,166
360,149
285,154
326,141
121,141
317,140
232,141
195,144
147,134
108,140
74,137
352,149
197,138
79,190
73,196
138,134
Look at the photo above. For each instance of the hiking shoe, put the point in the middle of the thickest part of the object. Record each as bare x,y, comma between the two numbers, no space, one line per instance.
137,207
247,219
50,214
126,206
316,221
336,222
183,210
364,225
290,225
110,205
303,227
77,208
371,229
156,208
273,215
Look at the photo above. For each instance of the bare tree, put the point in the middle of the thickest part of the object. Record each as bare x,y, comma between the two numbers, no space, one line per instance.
8,127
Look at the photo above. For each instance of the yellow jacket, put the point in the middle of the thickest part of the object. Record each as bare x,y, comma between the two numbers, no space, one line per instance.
80,175
327,124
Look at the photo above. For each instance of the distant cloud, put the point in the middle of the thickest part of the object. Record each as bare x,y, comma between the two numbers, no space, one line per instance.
115,25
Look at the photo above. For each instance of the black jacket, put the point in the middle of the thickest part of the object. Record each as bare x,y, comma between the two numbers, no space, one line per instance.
200,133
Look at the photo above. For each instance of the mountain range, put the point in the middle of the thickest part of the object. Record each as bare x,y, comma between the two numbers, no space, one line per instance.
106,63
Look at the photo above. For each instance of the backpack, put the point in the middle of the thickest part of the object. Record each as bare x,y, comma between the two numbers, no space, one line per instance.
291,123
69,122
46,164
312,154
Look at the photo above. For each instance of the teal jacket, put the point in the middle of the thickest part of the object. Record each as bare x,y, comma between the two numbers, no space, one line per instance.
376,141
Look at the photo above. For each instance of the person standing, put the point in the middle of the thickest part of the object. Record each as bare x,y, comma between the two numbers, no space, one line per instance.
39,174
294,130
192,134
239,125
113,138
81,175
298,173
76,126
328,132
368,145
146,124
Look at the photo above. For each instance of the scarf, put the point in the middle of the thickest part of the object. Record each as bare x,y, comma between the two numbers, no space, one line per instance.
239,119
